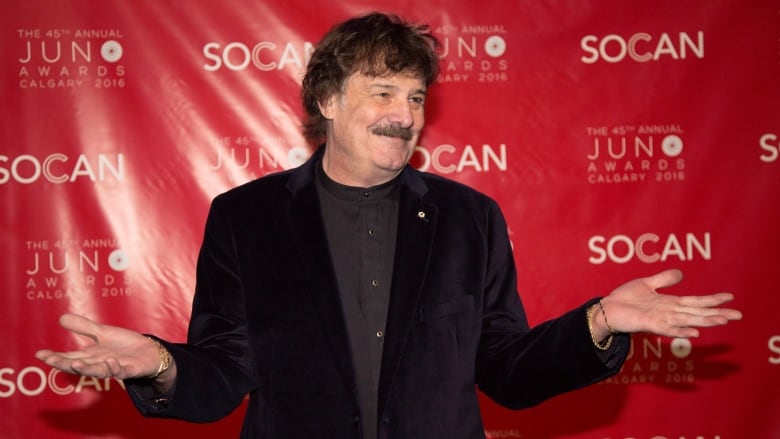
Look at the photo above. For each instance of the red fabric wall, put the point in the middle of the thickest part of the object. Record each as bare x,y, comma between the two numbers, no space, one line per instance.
619,138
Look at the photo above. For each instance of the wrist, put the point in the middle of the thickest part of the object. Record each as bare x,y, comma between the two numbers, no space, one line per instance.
165,359
603,312
598,326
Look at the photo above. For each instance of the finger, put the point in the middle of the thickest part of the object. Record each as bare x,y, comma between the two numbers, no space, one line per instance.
79,355
699,311
49,357
43,354
59,362
706,301
684,333
731,314
704,319
725,313
98,369
80,325
664,279
114,367
710,321
62,360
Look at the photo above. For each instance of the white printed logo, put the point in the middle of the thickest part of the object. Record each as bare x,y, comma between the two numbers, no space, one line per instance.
641,47
111,51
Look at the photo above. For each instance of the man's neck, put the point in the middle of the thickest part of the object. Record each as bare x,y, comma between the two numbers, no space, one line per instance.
343,171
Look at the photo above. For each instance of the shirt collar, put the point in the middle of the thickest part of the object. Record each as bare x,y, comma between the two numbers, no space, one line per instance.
353,193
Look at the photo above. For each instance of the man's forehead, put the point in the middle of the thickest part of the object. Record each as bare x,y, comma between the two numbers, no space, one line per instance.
391,80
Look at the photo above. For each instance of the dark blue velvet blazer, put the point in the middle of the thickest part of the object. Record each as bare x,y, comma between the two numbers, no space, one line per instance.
267,320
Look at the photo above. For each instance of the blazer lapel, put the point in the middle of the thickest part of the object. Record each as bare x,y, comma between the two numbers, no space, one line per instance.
416,226
310,240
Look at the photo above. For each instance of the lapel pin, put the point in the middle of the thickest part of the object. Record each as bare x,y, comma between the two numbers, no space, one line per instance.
421,215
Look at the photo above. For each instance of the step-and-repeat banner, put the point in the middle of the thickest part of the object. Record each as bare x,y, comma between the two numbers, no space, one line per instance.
620,139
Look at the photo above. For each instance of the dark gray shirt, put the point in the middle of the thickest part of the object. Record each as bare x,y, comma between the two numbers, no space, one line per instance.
360,224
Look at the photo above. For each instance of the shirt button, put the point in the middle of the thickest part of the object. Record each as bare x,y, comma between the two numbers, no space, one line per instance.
380,334
370,231
375,283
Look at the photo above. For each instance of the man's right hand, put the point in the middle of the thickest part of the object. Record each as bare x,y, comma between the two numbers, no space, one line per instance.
114,352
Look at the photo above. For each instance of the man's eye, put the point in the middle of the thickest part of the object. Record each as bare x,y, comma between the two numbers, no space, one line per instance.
417,100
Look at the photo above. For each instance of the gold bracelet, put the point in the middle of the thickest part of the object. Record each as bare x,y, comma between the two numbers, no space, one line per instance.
604,345
165,359
601,307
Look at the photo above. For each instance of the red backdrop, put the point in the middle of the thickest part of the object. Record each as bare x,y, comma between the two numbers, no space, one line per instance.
619,138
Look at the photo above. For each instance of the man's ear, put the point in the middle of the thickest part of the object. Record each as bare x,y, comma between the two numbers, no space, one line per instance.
327,106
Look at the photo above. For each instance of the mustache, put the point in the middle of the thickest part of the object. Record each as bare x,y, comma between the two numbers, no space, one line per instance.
393,131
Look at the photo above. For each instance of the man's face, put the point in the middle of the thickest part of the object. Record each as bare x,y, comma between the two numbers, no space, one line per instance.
373,128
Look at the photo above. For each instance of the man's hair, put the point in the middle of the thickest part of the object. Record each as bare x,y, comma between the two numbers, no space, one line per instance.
375,45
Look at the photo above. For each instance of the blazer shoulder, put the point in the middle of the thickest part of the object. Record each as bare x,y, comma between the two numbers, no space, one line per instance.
259,197
263,187
442,189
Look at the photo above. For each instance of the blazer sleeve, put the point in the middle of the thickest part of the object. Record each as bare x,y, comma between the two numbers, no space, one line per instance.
214,370
518,366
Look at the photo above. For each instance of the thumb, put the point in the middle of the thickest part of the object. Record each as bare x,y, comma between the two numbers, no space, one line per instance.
80,325
664,279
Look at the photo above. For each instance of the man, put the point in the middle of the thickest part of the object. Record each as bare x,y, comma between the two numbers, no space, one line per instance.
356,297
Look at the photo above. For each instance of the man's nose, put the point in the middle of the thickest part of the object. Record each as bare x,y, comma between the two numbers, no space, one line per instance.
402,113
